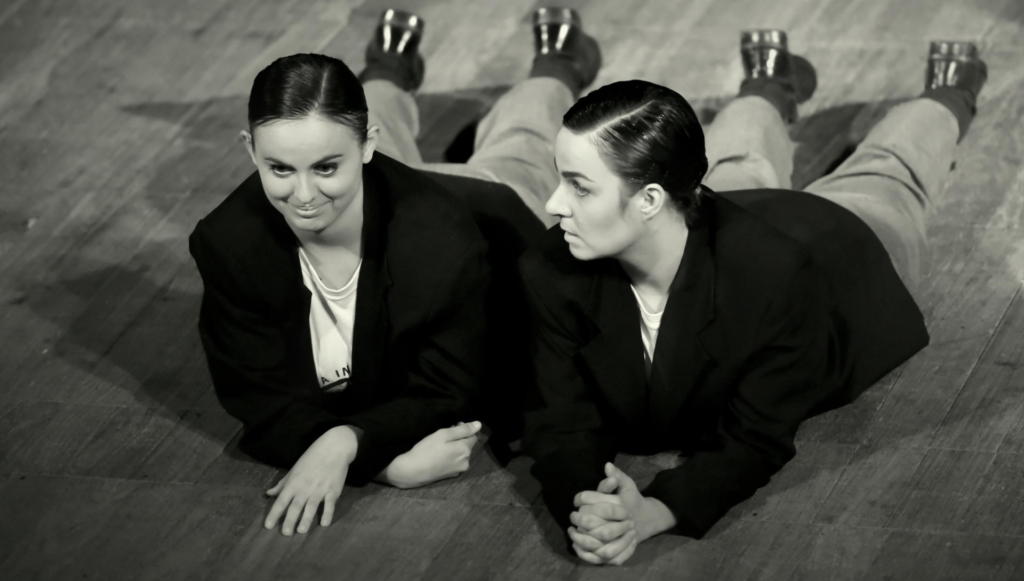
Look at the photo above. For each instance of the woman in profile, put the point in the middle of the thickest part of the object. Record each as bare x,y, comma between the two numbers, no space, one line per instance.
672,317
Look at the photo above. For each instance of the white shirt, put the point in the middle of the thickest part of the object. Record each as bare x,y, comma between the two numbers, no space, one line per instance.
650,321
332,313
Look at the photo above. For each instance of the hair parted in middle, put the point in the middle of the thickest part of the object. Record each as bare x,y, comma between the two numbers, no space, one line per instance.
298,85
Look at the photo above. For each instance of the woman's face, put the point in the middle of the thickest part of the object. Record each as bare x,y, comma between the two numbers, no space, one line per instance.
311,169
597,219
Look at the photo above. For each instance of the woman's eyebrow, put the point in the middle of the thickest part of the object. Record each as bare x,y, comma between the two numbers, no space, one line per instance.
322,160
575,175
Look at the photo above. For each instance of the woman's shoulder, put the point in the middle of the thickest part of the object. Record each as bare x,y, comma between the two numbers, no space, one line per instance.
430,236
242,214
417,200
242,233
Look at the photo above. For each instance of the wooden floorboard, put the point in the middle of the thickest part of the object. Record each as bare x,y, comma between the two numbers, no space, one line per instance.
118,130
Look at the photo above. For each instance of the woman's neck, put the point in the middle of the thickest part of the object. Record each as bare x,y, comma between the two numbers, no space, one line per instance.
652,262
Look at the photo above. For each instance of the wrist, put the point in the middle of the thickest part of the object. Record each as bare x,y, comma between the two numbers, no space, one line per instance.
656,518
397,474
347,439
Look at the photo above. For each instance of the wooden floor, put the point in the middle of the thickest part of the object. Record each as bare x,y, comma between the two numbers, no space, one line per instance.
118,124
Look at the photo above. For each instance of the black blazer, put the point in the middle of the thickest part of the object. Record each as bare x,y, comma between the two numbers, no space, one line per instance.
419,335
784,305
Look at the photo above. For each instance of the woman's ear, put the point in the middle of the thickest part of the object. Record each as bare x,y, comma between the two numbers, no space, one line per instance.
246,138
653,198
370,145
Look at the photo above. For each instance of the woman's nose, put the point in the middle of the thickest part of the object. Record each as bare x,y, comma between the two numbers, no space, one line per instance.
305,190
556,203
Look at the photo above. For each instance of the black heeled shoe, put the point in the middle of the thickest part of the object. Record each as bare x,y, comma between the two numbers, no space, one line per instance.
562,49
771,71
393,54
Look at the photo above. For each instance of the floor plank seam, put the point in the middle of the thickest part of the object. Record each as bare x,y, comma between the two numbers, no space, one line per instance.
996,329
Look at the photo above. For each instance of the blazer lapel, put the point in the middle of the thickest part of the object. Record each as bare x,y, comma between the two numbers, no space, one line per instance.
371,327
679,357
615,354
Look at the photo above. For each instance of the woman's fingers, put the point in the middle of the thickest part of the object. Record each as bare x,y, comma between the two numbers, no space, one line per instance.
328,514
460,431
608,485
586,555
308,515
291,516
609,551
583,540
624,555
611,531
595,552
606,511
276,489
278,508
593,497
586,521
612,471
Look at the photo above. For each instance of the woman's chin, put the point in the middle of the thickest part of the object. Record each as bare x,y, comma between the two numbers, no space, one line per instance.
312,225
580,252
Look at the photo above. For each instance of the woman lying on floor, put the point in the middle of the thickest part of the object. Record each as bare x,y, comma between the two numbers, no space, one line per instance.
671,317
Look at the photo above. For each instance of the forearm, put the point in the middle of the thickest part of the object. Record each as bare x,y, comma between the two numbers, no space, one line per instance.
346,439
565,473
280,439
700,491
402,473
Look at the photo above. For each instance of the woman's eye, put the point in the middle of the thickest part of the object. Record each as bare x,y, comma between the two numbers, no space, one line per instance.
580,190
280,170
326,169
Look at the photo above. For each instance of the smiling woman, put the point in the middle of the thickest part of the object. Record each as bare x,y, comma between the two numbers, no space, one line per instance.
311,171
345,299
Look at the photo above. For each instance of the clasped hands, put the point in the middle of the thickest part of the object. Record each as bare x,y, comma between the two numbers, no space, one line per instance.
318,476
610,522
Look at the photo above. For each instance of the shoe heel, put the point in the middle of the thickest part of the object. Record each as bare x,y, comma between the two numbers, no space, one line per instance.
764,53
948,62
551,27
399,31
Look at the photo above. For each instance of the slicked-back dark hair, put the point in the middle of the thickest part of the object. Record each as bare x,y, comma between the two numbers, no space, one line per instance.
295,86
646,133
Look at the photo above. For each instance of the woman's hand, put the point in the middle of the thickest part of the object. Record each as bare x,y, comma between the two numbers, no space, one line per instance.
443,454
316,478
611,521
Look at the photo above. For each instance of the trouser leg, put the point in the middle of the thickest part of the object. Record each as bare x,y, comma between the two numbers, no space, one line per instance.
514,141
748,147
893,177
395,113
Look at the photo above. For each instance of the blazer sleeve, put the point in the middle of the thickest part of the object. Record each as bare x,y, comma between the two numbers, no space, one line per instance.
444,373
783,383
247,352
564,431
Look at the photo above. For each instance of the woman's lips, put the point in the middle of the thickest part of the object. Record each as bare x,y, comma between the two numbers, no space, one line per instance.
307,212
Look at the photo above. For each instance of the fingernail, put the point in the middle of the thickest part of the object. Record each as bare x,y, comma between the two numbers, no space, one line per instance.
477,425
